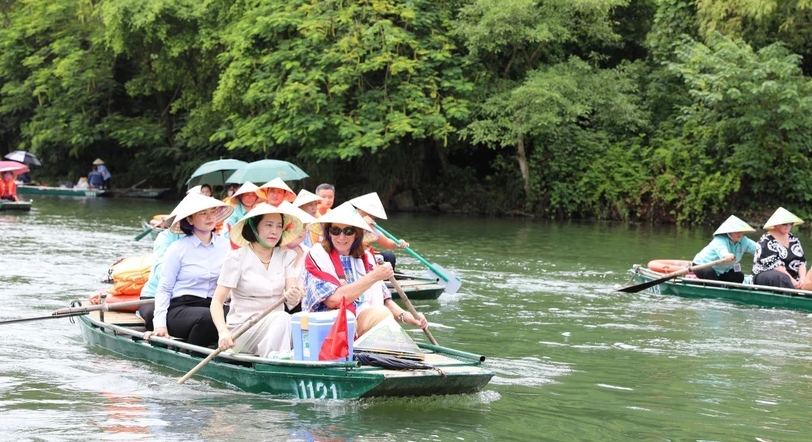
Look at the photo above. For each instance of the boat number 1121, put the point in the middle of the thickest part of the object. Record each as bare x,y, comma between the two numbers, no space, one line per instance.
316,390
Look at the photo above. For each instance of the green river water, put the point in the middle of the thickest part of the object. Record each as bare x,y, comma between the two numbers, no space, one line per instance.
574,360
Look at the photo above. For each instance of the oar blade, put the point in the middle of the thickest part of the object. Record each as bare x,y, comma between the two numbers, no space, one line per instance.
452,285
144,233
640,287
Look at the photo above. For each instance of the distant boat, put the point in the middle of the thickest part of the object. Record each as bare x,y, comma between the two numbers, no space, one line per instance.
137,193
18,206
27,189
416,287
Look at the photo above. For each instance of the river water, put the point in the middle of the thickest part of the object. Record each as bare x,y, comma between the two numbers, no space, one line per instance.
574,360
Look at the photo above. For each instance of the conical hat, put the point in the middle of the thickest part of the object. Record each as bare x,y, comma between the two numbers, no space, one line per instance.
305,197
292,229
782,216
195,202
247,187
389,337
276,183
371,204
97,162
733,225
343,214
195,189
303,216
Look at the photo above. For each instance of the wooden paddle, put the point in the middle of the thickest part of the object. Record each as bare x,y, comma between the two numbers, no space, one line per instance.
445,277
638,287
408,303
240,330
83,310
128,190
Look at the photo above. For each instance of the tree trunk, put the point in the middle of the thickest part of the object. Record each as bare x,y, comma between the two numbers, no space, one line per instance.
442,155
521,156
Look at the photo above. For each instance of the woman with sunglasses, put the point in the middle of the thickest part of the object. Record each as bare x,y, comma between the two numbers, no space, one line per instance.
339,270
779,259
728,242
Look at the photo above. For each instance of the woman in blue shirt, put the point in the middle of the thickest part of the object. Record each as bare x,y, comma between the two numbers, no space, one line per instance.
728,242
190,270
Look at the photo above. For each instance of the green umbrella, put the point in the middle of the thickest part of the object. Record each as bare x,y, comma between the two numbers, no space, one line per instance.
214,173
262,171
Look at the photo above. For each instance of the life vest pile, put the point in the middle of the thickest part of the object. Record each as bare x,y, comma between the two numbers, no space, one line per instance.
129,277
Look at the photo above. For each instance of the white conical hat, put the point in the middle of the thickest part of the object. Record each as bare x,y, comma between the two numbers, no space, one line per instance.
195,189
303,216
305,197
276,183
371,204
247,187
733,225
98,162
343,214
292,228
782,216
195,202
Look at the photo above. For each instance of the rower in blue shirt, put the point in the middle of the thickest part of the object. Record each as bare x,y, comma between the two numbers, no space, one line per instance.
728,242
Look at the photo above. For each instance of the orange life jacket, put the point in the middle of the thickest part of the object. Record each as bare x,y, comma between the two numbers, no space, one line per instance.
9,188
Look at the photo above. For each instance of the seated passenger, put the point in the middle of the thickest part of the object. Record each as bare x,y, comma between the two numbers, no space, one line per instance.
779,259
190,271
8,188
728,242
258,274
339,269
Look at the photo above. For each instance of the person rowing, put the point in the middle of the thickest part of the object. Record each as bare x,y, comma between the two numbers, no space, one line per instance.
728,242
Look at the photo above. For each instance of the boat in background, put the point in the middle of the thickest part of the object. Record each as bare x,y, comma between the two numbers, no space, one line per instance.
416,287
137,193
751,294
449,371
16,206
26,189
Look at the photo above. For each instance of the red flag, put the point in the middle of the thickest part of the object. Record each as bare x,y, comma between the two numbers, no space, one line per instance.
336,345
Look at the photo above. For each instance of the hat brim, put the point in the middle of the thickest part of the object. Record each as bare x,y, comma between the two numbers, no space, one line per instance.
194,203
293,223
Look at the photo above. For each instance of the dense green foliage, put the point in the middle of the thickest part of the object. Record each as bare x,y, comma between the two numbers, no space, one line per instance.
655,110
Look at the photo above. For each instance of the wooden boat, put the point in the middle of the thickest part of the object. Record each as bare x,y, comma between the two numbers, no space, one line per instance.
416,287
58,191
455,372
759,295
137,193
19,206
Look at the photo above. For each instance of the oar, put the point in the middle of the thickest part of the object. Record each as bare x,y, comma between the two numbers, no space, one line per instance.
83,310
449,280
144,233
672,275
240,330
408,303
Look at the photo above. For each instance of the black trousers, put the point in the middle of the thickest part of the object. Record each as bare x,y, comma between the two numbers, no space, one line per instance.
774,278
147,312
189,317
729,276
389,257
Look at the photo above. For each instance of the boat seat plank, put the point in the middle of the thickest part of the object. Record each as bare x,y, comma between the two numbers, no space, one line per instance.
119,318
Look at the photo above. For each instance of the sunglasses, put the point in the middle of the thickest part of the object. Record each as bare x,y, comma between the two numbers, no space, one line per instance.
347,231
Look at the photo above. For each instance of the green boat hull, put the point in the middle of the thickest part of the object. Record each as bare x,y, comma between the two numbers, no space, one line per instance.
21,206
462,373
58,191
762,296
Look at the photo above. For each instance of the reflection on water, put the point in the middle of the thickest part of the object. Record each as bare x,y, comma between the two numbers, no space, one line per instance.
574,360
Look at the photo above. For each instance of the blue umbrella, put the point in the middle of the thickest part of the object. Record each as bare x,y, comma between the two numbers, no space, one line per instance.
262,171
214,173
24,157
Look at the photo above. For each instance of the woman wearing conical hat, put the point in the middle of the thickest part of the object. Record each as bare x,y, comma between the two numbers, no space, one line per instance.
243,200
728,242
338,270
255,276
779,259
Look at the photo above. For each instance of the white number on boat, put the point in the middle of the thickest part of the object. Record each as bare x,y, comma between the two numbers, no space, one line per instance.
655,289
316,390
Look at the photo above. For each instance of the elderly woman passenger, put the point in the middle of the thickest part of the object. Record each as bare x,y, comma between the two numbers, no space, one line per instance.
779,259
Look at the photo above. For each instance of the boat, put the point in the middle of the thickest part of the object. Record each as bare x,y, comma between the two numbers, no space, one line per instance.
453,372
154,231
751,294
416,287
17,206
137,193
25,189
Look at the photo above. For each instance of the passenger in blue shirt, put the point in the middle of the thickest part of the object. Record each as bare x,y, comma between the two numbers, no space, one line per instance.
95,178
728,242
190,271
